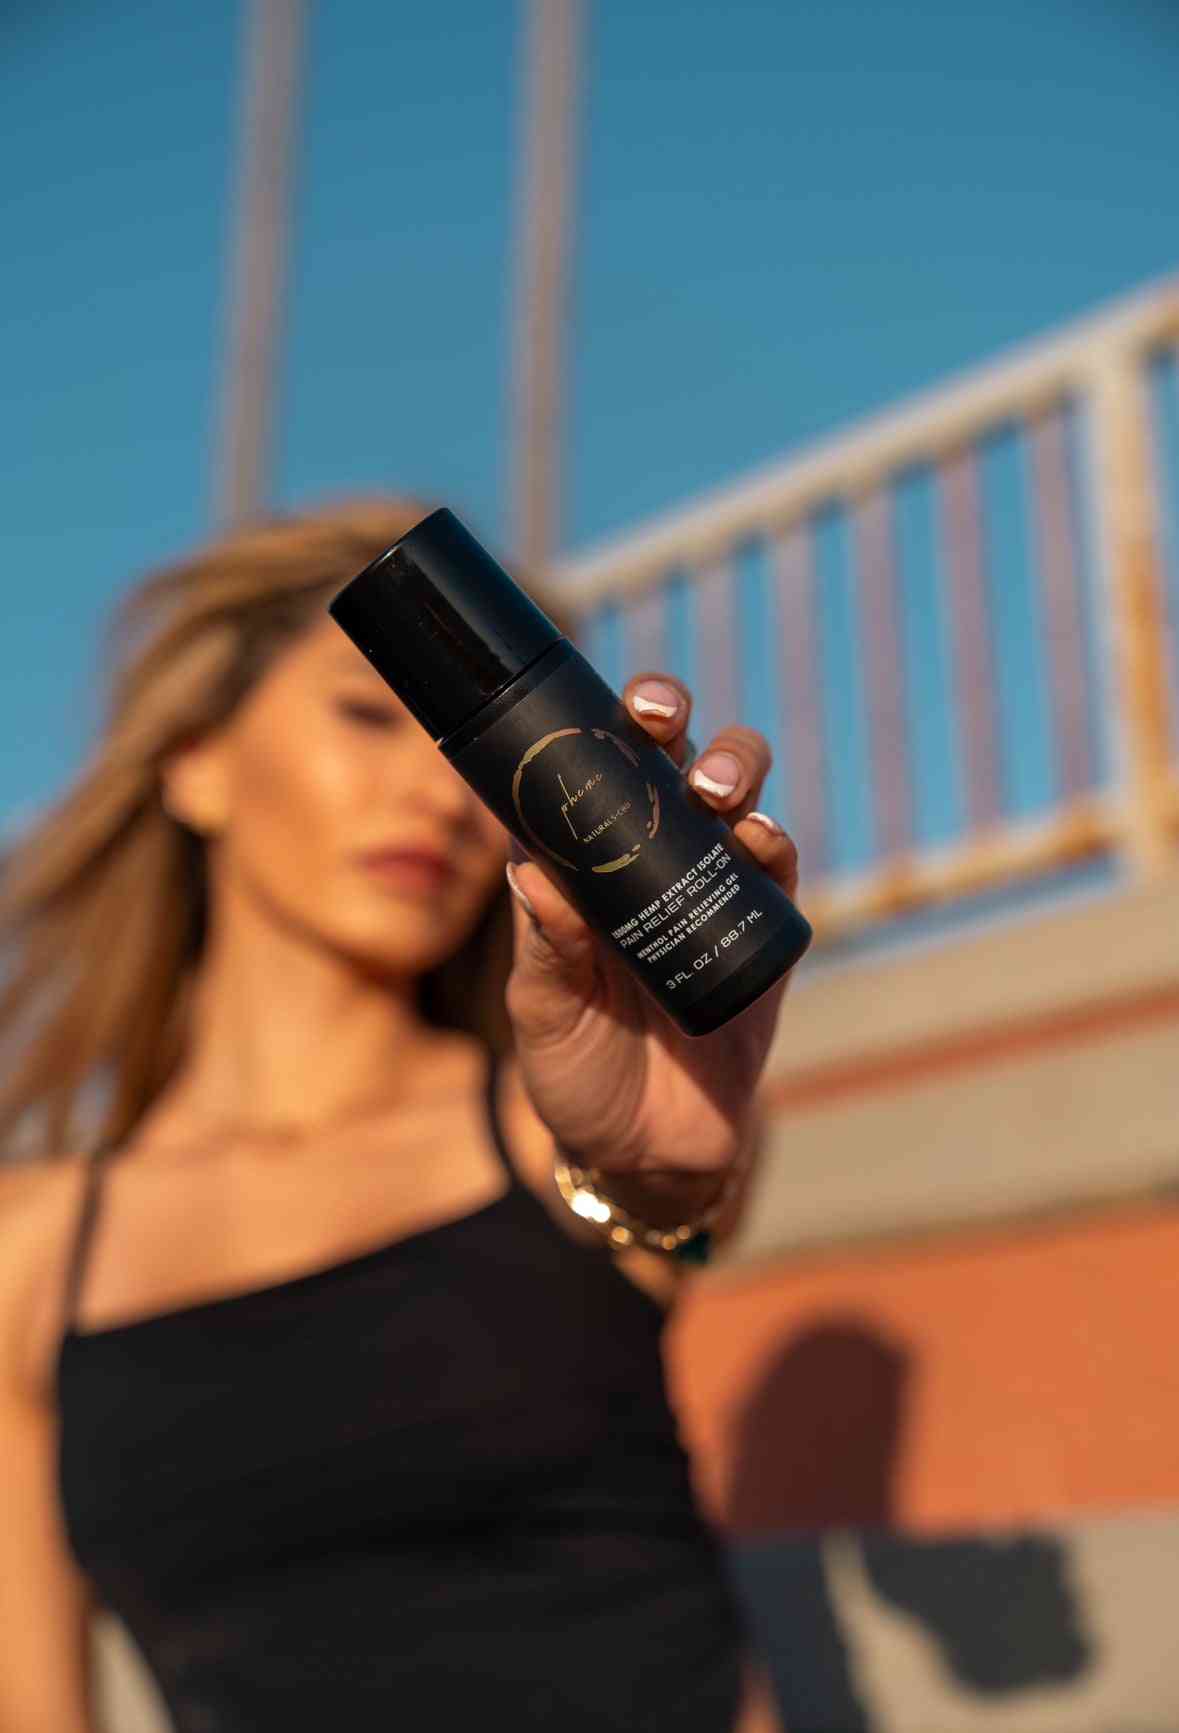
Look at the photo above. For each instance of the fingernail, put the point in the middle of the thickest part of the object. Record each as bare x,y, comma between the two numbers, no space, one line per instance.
771,824
655,698
520,894
716,773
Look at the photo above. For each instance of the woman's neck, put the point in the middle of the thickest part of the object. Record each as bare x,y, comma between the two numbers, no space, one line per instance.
288,1035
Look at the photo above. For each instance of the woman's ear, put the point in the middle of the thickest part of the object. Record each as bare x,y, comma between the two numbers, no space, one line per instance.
194,783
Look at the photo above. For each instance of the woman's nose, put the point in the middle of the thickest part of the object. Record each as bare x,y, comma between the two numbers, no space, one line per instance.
441,790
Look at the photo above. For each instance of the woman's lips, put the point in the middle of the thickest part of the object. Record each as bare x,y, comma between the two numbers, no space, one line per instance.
409,869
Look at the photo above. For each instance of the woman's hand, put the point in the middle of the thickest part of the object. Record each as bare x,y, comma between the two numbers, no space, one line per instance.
618,1085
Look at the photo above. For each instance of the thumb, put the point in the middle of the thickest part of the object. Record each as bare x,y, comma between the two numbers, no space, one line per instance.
555,966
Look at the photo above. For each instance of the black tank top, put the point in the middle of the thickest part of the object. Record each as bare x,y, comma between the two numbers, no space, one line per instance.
435,1485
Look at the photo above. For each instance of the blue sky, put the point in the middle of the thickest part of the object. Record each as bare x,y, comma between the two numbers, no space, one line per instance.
789,216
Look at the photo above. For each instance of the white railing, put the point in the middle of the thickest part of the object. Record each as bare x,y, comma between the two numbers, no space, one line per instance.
1081,409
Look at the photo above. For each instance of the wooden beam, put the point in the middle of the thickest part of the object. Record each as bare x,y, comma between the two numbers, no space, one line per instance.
879,615
544,225
974,674
799,675
1060,588
258,253
1006,854
1135,614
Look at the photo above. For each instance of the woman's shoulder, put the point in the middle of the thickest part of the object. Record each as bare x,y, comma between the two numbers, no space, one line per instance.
39,1200
35,1193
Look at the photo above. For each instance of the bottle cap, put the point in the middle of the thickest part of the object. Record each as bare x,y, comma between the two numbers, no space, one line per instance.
442,622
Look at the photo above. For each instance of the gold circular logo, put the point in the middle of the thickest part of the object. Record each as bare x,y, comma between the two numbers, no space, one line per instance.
565,792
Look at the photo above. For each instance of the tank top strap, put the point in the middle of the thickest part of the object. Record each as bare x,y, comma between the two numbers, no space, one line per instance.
84,1224
91,1199
499,1143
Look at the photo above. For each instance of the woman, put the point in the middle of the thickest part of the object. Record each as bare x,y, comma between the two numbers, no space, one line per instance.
308,1372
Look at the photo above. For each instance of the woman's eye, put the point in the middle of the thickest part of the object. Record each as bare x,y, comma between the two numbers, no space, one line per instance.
373,715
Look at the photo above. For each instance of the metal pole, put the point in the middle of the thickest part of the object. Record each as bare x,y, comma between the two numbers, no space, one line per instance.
273,31
544,201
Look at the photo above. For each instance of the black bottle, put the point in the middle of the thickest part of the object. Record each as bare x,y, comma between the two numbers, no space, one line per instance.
550,748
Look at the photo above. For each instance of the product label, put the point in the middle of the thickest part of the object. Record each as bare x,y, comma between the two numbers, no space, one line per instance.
655,871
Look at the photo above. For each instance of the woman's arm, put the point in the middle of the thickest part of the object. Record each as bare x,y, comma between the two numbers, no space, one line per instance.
669,1198
532,1144
661,1121
44,1603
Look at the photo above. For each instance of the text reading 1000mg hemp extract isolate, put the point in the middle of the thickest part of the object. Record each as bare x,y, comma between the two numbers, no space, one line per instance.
681,910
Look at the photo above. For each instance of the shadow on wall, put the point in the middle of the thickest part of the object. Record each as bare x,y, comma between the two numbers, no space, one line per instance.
814,1480
817,1442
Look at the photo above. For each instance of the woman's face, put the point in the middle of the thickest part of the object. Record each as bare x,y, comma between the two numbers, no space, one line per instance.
314,793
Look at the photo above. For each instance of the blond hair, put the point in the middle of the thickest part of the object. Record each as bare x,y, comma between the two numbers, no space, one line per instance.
103,896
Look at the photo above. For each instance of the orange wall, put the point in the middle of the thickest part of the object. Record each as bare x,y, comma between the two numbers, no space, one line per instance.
981,1378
